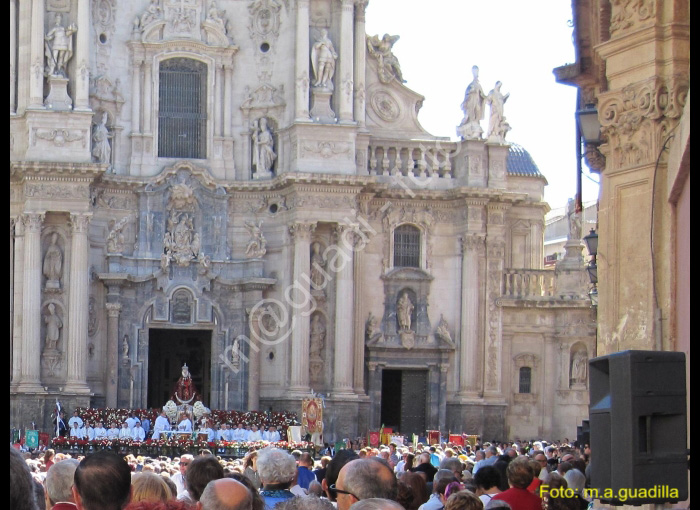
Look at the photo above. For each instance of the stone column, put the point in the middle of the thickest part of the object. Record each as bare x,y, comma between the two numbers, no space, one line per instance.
218,114
344,304
344,79
301,235
469,326
136,96
147,99
495,251
31,306
375,393
18,287
24,63
359,68
301,72
254,360
76,346
228,86
36,77
82,57
359,336
112,379
13,54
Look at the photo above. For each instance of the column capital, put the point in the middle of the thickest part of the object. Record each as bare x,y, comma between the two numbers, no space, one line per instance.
113,309
472,242
302,230
348,234
32,222
495,248
79,222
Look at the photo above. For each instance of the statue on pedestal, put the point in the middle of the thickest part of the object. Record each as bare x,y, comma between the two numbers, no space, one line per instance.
404,311
185,391
53,328
473,108
101,149
263,149
323,57
498,127
59,47
53,264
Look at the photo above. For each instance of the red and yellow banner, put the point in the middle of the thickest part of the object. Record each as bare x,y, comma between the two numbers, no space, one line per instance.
312,415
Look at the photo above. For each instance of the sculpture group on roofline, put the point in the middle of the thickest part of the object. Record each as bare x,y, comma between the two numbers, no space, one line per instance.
473,107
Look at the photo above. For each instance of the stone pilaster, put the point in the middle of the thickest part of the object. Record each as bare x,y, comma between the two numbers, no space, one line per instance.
472,245
218,114
254,317
112,375
228,87
300,297
76,346
17,287
13,55
136,96
36,76
31,306
301,73
82,57
344,81
147,99
344,331
359,67
359,334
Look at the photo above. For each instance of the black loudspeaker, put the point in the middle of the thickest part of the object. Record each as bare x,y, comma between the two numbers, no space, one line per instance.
638,432
583,434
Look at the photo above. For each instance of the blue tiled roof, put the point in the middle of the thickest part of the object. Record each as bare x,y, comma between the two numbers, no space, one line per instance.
520,162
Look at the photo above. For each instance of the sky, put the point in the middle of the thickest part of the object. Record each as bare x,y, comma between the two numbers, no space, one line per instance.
516,42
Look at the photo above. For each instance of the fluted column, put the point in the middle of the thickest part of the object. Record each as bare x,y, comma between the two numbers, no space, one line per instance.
359,334
31,305
344,82
469,327
82,57
359,68
112,379
36,77
18,288
299,301
76,347
344,330
301,72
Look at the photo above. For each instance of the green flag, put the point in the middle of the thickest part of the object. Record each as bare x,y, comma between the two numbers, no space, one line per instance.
31,438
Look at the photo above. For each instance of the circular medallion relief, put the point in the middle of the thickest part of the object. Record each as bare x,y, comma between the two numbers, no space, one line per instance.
386,106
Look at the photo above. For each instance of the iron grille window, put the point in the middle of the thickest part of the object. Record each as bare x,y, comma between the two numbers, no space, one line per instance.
182,110
525,379
406,246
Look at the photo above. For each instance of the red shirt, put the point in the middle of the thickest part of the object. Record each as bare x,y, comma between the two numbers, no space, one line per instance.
520,499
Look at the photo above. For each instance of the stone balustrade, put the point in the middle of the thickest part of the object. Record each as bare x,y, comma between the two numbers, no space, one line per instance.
528,283
419,158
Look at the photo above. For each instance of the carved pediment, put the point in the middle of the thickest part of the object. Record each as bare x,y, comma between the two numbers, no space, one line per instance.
407,274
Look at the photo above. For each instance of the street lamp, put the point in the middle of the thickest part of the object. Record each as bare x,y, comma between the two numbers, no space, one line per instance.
588,124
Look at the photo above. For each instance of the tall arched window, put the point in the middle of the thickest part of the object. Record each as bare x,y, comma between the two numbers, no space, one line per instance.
525,380
407,246
182,109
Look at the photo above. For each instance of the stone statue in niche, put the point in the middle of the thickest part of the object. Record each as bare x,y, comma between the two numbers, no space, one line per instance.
317,337
574,219
388,64
53,264
579,368
180,242
498,127
318,279
125,347
323,57
256,247
443,331
473,108
101,148
372,329
404,311
115,238
263,149
59,47
53,328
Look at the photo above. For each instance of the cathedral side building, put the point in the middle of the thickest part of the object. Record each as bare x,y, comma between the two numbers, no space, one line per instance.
244,186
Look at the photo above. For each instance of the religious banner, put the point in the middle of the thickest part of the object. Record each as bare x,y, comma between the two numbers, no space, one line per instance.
397,440
374,438
472,440
387,432
456,439
31,438
312,415
433,437
294,433
44,438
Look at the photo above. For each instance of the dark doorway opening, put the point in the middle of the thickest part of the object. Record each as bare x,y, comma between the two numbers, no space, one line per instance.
168,350
404,394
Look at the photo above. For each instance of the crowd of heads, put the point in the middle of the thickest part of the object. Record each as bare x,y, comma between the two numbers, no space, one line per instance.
483,476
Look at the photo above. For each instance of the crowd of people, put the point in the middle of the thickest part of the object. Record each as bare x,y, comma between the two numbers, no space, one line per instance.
520,476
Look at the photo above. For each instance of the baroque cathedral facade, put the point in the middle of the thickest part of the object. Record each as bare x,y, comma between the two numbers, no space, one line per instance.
244,186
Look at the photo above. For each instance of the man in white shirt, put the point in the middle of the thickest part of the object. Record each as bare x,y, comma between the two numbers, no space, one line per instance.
162,424
239,433
179,478
271,434
113,432
185,425
131,421
224,433
75,419
89,431
125,432
100,431
137,433
255,434
76,432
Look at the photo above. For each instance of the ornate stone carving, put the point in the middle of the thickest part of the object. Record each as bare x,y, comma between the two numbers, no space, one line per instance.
498,127
93,317
318,264
264,155
578,367
472,242
51,190
59,47
106,95
373,332
121,202
404,311
125,348
256,247
58,5
302,230
181,307
32,222
54,324
53,264
182,197
264,19
115,238
264,97
385,106
317,337
180,242
388,67
626,13
60,137
153,13
79,223
574,220
443,331
473,108
323,57
326,150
